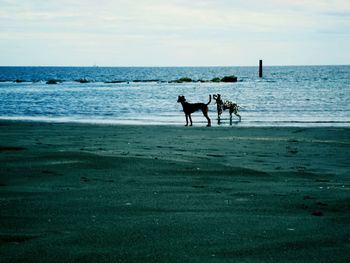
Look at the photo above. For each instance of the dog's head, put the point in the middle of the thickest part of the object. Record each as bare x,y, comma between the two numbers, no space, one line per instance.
181,99
217,97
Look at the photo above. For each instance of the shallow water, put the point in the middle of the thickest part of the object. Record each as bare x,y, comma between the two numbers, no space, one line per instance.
286,96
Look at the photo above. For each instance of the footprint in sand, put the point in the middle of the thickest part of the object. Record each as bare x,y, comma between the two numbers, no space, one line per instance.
198,186
11,148
51,173
215,155
317,213
16,239
85,179
321,204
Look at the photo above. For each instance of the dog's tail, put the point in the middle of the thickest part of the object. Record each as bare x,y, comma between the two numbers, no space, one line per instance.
209,99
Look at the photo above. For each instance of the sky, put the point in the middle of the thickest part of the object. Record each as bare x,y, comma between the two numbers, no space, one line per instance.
174,32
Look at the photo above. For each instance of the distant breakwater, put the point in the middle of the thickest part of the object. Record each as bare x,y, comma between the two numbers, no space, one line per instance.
225,79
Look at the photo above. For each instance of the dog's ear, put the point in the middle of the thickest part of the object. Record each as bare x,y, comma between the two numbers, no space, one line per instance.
181,98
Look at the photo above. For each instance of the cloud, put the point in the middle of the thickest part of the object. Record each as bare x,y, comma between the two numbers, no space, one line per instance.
169,17
210,28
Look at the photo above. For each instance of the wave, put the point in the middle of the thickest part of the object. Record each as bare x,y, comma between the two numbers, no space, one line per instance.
174,121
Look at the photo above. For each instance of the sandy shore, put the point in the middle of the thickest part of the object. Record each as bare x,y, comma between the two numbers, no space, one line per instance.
94,193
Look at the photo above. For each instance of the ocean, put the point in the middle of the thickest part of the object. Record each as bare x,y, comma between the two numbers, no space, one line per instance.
285,96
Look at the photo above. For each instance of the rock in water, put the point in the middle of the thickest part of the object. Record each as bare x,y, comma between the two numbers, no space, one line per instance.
216,80
52,81
229,79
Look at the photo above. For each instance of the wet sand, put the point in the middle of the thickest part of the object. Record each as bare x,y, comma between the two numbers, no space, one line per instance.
99,193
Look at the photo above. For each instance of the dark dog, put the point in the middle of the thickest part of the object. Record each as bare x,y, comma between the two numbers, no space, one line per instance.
189,108
224,105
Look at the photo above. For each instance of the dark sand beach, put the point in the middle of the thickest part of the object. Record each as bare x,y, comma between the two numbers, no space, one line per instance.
99,193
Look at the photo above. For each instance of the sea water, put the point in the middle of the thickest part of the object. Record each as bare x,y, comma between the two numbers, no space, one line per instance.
285,96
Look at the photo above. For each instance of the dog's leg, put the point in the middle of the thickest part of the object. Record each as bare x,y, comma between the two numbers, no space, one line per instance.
205,113
235,111
186,120
239,116
218,108
189,115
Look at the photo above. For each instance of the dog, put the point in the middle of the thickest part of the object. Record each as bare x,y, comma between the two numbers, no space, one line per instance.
189,108
224,105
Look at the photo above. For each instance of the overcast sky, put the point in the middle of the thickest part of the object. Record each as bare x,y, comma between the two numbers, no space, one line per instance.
174,32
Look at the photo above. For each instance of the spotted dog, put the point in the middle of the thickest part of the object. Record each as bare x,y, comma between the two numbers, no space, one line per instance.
189,108
224,105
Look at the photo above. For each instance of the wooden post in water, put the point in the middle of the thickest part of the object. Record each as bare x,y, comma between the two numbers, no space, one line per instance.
260,68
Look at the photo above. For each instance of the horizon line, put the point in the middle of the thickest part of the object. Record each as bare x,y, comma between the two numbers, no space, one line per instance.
176,66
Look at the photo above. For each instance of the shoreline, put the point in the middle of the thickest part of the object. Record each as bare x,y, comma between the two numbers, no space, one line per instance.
111,193
201,123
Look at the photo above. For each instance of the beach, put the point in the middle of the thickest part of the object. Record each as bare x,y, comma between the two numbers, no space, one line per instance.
160,193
